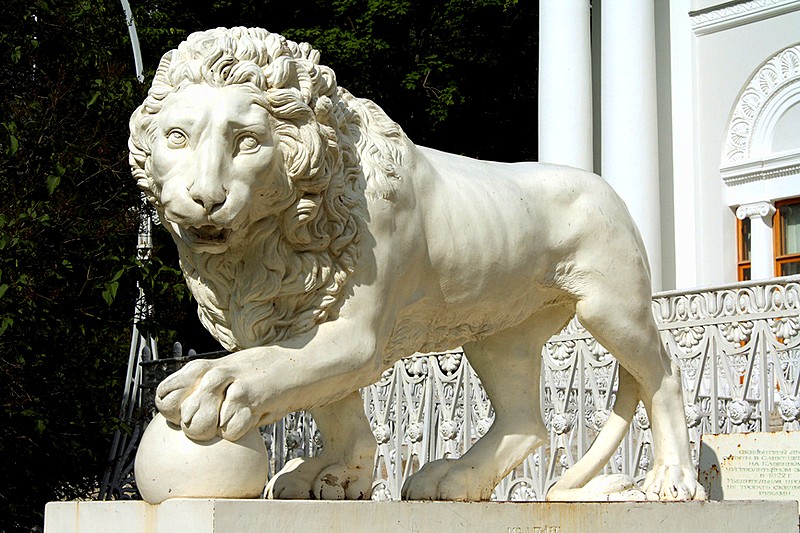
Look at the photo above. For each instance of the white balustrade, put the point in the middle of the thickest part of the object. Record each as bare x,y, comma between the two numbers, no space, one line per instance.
738,348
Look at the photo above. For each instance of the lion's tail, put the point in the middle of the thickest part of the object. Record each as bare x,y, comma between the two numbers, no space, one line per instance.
606,443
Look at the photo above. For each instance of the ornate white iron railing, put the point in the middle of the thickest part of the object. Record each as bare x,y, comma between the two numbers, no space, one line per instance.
738,347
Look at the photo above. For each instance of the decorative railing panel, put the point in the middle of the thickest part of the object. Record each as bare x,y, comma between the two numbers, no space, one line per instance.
738,348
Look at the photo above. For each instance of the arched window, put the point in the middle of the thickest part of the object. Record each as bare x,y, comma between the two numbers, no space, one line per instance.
760,165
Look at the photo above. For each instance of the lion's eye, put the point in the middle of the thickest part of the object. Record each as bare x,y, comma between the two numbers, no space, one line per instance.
246,143
176,139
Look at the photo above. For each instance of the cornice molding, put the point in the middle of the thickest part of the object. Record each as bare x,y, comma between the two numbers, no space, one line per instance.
733,14
787,164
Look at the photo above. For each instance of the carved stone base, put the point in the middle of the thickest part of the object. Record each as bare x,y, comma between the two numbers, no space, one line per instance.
265,516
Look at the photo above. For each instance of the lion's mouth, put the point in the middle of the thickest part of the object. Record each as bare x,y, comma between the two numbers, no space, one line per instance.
206,235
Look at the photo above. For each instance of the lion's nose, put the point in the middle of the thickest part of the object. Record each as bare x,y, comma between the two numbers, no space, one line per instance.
209,198
206,189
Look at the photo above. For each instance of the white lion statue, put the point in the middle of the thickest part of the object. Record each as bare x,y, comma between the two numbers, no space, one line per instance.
322,246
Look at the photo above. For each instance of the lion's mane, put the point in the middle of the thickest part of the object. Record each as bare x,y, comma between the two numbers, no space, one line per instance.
337,150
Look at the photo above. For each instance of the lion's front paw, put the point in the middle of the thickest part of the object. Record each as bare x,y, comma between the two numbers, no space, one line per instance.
447,479
208,398
673,483
306,478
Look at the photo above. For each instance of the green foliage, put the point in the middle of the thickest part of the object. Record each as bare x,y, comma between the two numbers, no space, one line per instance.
458,75
443,69
67,247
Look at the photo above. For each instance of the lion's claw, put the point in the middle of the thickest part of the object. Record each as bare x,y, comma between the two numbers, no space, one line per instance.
673,483
237,425
206,398
664,483
200,415
447,479
171,392
317,478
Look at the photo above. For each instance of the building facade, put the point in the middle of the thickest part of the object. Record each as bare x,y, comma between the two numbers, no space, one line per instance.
691,110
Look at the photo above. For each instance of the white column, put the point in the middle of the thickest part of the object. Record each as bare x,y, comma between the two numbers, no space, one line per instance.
629,115
684,183
762,253
565,83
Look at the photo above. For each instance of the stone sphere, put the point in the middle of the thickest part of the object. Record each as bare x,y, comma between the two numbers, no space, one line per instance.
171,465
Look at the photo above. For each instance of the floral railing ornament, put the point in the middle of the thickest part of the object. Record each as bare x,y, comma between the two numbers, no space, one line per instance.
738,348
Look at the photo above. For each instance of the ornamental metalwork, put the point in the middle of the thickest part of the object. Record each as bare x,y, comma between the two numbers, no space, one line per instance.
738,348
118,482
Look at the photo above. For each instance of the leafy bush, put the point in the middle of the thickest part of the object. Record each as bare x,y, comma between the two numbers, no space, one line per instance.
458,75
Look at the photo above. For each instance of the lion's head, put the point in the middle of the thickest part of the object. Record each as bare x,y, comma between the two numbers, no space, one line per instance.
259,166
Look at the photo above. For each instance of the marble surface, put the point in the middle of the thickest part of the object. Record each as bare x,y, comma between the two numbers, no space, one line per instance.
265,516
171,465
322,245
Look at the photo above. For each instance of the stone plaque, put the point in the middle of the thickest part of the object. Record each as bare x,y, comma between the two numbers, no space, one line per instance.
751,466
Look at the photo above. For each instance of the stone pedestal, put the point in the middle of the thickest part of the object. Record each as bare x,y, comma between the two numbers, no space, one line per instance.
265,516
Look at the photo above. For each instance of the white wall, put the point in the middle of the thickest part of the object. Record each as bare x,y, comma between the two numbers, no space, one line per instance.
704,62
786,135
724,63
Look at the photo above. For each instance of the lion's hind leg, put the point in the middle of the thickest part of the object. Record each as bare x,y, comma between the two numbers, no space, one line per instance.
508,364
616,309
343,471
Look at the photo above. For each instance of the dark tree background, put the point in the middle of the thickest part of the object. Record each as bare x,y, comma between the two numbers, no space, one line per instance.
458,75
